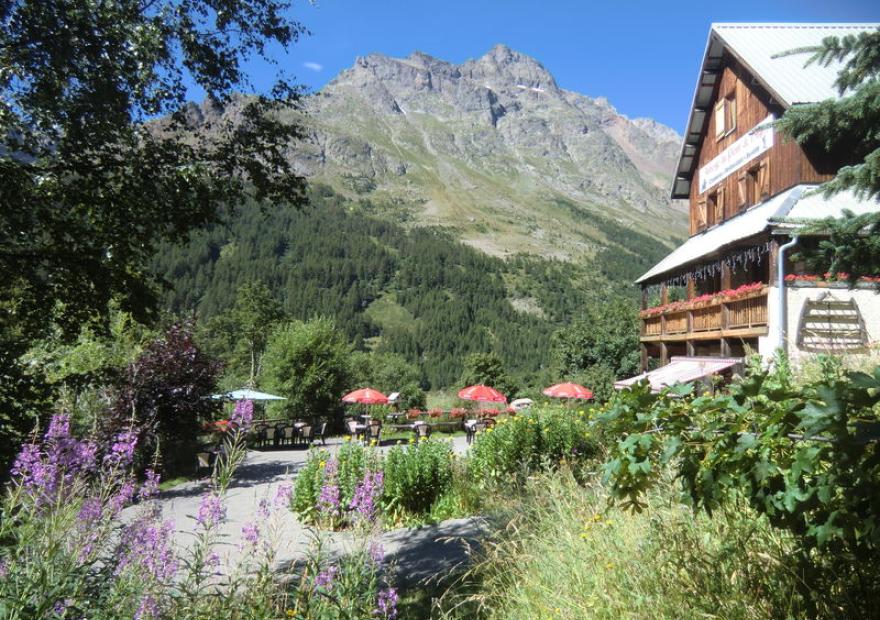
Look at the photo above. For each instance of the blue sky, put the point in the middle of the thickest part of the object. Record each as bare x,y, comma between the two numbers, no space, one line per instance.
643,56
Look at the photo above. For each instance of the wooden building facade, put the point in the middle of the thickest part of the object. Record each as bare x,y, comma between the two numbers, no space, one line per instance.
717,295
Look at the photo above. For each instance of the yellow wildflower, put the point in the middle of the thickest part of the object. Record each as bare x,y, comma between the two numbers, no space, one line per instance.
373,442
346,438
322,464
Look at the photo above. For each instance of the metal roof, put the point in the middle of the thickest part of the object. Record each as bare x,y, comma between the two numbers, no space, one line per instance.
681,370
747,224
785,78
784,211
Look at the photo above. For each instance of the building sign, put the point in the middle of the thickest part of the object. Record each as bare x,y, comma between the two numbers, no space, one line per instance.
757,141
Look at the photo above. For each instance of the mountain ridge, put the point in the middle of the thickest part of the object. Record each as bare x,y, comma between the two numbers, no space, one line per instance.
489,147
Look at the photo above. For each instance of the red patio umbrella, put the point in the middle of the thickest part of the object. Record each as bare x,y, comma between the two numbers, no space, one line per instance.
366,396
568,390
482,393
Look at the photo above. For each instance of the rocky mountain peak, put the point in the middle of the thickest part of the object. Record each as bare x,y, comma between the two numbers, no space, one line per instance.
508,67
489,145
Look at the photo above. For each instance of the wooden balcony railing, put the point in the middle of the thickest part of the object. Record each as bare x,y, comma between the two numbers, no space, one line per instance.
745,315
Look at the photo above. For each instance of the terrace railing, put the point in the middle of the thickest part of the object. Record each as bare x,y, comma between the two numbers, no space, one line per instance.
744,315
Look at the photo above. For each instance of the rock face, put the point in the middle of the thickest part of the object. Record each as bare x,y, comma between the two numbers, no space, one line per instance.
492,148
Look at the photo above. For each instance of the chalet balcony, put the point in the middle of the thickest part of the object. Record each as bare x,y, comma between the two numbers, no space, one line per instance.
740,316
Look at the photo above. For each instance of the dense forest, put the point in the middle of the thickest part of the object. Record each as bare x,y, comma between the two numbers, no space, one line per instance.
418,292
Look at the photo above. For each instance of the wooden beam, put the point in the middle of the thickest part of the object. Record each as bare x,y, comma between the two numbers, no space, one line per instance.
726,277
664,294
664,354
691,287
773,258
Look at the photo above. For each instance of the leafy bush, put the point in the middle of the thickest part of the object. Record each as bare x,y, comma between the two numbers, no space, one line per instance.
326,486
163,397
416,475
530,441
411,396
307,362
805,456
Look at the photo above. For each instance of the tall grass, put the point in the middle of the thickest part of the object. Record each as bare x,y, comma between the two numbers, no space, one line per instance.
565,554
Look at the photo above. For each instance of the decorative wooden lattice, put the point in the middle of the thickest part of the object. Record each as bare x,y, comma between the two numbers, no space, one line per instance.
829,324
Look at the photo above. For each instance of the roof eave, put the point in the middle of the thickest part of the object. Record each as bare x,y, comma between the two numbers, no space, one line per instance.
693,134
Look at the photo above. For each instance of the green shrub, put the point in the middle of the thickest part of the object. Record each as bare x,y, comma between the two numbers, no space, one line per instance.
308,486
530,441
348,465
416,475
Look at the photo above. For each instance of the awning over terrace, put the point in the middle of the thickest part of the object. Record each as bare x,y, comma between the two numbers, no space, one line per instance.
681,370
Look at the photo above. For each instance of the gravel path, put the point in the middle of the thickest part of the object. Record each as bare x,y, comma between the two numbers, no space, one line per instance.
418,553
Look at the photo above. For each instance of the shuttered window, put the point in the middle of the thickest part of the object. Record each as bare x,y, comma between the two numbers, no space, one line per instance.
725,116
719,206
763,180
742,192
701,215
720,127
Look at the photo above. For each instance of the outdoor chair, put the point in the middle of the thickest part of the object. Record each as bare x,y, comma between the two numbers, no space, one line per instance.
289,433
305,434
477,427
423,431
205,461
375,432
320,433
268,436
352,429
279,435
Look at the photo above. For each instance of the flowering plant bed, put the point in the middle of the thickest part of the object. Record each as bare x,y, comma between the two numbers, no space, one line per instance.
829,277
745,291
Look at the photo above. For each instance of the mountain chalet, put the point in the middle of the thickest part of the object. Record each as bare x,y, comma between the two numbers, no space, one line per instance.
748,188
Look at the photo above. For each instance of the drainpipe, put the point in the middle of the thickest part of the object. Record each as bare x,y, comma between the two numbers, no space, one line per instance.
780,279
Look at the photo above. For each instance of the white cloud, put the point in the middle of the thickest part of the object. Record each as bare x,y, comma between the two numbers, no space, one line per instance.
314,66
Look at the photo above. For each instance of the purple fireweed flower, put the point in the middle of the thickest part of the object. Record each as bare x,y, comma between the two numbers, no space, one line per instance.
377,552
122,451
329,496
147,546
386,603
243,415
4,569
91,510
251,533
59,427
328,499
148,608
367,494
123,496
213,560
325,578
150,487
211,511
282,495
263,509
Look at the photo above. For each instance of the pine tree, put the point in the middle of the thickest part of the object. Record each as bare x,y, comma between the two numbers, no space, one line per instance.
848,131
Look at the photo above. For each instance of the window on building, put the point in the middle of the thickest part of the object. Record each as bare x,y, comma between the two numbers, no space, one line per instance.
753,185
700,216
725,116
715,207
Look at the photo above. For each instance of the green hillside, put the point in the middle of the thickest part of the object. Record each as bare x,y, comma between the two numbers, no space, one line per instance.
418,292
